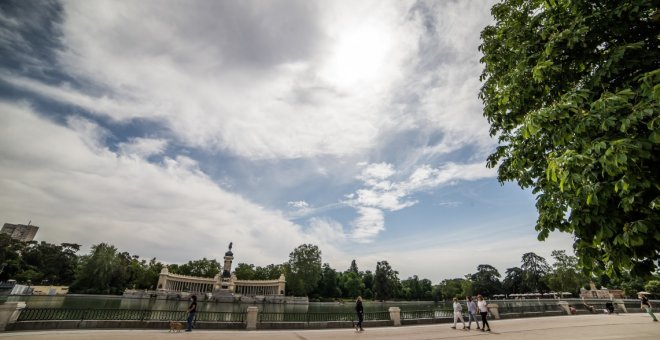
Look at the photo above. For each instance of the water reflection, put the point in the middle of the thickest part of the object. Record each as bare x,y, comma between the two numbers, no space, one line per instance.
118,302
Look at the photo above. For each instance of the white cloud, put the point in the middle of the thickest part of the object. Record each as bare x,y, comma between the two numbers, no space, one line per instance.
380,193
369,223
143,147
326,231
298,204
78,193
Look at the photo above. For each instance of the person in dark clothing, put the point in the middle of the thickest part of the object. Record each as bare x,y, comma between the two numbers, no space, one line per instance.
609,306
360,313
192,309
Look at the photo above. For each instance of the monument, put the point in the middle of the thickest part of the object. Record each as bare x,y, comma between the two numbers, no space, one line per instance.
223,287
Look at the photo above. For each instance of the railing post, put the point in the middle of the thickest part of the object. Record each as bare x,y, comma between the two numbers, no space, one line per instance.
395,315
621,305
9,312
493,308
251,318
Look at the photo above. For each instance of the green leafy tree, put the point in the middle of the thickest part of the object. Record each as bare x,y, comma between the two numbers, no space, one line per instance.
245,271
653,287
451,288
269,272
100,272
201,268
354,268
351,284
565,277
328,285
412,289
368,279
304,268
386,281
514,281
10,257
486,281
426,287
535,268
571,91
467,288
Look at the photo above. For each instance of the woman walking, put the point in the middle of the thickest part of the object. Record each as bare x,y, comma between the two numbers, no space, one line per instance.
483,310
360,313
646,304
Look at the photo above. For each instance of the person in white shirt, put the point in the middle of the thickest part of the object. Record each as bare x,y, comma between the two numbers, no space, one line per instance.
472,312
458,313
483,310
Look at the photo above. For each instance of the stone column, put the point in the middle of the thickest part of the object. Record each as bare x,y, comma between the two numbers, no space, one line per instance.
564,306
395,315
620,305
493,308
251,318
9,312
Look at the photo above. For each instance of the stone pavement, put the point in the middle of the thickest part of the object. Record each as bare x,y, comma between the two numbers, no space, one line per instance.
624,326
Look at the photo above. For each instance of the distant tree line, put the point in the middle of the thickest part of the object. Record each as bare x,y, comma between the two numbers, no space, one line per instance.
106,270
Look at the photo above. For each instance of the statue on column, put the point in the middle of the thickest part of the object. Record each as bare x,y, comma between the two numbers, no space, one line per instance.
230,244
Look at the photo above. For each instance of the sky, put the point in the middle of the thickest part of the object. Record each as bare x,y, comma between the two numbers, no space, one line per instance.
171,128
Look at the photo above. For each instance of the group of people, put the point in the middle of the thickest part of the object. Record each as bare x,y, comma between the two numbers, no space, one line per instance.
481,307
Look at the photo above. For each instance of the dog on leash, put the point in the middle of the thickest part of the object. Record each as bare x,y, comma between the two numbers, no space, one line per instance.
175,326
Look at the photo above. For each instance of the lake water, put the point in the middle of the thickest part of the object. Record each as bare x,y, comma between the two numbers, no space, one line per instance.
118,302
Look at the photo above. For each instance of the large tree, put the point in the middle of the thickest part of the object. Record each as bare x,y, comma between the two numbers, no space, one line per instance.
514,281
304,269
486,281
565,277
386,281
572,91
535,269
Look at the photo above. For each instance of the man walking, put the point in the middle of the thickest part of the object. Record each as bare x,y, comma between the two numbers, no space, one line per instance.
458,313
472,312
192,309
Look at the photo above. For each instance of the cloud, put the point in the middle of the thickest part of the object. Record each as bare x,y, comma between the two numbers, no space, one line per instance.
298,204
143,147
77,192
369,223
381,193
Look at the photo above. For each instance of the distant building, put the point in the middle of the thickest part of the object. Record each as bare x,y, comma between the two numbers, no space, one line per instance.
20,232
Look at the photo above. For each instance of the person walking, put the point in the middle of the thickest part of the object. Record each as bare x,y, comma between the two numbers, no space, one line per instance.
483,310
359,309
192,309
646,304
458,313
472,312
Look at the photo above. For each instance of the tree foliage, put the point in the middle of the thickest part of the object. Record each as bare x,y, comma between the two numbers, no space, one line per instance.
304,269
565,276
514,281
201,268
486,281
386,281
535,268
572,90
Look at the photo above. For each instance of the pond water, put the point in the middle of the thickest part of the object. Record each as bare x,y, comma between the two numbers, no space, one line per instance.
119,302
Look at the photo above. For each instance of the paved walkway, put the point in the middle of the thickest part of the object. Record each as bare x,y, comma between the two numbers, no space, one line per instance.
624,326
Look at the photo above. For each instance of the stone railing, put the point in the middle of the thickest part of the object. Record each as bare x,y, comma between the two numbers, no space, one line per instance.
15,316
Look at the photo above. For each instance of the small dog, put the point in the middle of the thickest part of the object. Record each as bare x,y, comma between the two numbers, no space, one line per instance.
175,326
